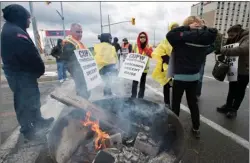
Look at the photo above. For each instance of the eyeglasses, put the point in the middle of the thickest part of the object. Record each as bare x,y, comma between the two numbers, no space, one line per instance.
78,31
142,36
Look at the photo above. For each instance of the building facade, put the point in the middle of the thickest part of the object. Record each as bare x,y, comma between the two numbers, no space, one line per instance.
222,15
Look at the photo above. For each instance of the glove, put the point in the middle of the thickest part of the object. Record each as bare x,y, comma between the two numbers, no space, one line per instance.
217,51
165,59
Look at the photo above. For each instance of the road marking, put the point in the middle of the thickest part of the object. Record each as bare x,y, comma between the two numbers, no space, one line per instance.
210,123
209,77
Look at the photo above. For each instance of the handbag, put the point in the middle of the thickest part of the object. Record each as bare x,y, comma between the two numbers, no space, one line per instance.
221,69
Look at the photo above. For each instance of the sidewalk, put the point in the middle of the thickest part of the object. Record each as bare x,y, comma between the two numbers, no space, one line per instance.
49,75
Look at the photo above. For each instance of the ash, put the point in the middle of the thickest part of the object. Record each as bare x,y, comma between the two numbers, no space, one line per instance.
127,155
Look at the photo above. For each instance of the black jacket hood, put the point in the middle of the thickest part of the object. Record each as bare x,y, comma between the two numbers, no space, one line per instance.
106,37
116,40
59,41
17,15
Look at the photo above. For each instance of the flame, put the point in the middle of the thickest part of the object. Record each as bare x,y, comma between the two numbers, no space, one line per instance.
100,135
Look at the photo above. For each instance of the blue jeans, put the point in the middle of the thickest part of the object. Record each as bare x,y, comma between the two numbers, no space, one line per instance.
199,86
61,70
26,98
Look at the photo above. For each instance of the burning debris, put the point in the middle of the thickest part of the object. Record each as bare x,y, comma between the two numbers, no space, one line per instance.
100,135
126,139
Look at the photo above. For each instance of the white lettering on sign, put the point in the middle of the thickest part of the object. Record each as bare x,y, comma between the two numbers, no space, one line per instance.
89,68
133,66
233,64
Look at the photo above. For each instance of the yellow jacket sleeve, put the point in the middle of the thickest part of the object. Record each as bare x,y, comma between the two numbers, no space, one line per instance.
160,70
164,48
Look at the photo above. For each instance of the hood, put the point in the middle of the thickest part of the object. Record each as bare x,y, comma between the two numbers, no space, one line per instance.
106,37
171,25
244,33
59,41
116,40
139,43
17,15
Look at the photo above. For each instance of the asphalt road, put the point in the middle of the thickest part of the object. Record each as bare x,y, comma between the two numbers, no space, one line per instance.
8,120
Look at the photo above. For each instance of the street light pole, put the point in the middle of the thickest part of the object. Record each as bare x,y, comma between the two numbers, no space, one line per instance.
64,34
154,37
101,16
0,56
34,23
109,25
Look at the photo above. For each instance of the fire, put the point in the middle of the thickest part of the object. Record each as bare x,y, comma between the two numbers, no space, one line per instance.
100,135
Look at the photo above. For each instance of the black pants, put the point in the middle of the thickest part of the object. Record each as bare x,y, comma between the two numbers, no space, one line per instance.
166,93
190,88
26,99
236,92
142,87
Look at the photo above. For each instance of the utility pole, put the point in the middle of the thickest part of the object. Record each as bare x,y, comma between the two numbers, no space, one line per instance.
101,16
0,57
33,23
62,16
154,37
109,25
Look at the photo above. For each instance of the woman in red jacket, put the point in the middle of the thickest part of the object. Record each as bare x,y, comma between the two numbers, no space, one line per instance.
142,48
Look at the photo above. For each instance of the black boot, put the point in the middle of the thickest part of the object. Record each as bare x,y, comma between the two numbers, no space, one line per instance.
231,114
223,109
43,123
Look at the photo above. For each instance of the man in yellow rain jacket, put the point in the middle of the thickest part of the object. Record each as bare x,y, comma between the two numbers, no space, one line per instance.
106,59
142,47
162,54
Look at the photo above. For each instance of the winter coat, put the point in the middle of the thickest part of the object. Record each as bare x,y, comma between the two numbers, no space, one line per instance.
190,47
146,50
162,51
18,52
105,53
242,51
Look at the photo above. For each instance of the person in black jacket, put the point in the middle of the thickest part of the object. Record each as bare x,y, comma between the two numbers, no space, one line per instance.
61,65
117,48
190,43
22,66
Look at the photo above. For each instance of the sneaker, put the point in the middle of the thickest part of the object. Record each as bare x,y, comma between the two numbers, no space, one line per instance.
61,81
196,133
231,114
223,109
67,79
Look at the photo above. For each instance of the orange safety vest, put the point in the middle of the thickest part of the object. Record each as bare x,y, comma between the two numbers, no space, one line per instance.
124,48
76,43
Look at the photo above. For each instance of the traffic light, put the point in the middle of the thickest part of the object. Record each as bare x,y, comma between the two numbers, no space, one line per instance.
48,2
133,21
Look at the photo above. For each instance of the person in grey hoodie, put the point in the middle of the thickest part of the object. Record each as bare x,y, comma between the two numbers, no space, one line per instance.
237,89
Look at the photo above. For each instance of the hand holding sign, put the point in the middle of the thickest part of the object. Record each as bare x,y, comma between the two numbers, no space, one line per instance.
133,66
232,74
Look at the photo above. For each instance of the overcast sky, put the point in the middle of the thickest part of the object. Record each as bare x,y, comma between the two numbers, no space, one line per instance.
149,16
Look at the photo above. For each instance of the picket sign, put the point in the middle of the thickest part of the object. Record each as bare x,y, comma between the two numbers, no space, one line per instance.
133,66
89,68
233,64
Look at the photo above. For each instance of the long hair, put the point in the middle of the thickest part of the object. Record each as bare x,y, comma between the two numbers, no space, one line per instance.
191,19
